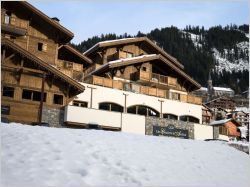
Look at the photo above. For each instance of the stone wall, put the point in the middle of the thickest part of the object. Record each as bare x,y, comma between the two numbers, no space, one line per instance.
154,121
53,116
216,132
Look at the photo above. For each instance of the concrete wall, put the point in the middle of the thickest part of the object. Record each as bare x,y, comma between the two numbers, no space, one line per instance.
132,123
202,132
103,94
92,116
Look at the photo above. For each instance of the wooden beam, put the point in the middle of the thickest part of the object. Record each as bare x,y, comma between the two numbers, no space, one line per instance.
8,58
41,100
3,55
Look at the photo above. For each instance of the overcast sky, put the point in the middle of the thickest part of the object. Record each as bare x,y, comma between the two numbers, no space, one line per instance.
89,18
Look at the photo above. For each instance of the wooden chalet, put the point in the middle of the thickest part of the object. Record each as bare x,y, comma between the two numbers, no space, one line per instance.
139,61
37,65
225,103
207,115
227,127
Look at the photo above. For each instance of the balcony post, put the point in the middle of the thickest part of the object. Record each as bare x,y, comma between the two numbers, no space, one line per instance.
125,103
161,101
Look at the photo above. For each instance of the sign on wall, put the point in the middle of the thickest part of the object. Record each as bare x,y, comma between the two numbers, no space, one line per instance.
170,130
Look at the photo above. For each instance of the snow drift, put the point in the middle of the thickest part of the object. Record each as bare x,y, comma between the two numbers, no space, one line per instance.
42,156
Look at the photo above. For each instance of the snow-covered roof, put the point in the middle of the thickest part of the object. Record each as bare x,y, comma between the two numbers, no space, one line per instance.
223,89
223,121
203,89
220,122
131,58
243,109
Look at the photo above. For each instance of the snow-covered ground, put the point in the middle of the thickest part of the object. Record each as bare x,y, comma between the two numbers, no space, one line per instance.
42,156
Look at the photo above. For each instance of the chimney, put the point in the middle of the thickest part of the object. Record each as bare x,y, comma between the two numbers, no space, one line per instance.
56,19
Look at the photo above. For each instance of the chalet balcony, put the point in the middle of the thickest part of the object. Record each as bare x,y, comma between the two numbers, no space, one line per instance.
143,76
147,90
14,25
70,69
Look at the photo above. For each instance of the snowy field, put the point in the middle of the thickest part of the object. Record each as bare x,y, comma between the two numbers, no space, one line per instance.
42,156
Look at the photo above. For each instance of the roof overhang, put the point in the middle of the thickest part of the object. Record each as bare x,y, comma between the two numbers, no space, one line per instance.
68,35
141,59
133,40
73,51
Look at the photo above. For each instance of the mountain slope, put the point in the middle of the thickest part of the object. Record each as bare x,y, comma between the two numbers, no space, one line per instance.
223,50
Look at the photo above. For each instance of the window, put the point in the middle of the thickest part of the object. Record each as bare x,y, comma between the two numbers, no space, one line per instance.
144,69
175,96
223,130
170,116
80,104
189,119
143,110
41,46
8,91
58,99
129,55
111,107
33,95
27,94
7,17
5,110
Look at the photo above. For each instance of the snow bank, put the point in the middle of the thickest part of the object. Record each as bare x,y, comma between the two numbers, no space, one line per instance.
42,156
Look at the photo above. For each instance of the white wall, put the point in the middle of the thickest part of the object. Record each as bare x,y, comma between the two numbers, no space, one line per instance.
133,123
103,94
223,137
202,132
92,116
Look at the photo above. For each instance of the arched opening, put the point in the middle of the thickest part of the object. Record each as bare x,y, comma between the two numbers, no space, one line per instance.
189,119
143,110
110,107
170,116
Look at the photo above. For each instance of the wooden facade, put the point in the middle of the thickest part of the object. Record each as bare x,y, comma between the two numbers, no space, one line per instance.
141,63
32,44
222,102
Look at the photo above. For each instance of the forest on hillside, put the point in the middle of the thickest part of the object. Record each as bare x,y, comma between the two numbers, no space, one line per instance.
197,55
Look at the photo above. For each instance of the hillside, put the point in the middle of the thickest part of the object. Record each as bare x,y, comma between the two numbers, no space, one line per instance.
42,156
223,50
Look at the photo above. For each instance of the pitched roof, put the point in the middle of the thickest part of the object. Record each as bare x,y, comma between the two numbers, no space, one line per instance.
133,40
77,53
43,16
141,59
223,121
48,67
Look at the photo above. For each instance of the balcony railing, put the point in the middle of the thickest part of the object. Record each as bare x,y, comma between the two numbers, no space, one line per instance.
156,78
14,22
147,90
70,69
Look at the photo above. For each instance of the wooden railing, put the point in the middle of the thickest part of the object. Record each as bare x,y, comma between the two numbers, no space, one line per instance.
91,68
70,69
157,78
14,21
147,90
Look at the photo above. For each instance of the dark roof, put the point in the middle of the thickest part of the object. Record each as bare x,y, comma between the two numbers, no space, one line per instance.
134,40
48,67
141,59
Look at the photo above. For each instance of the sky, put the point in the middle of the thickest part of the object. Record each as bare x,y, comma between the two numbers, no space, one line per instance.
90,18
